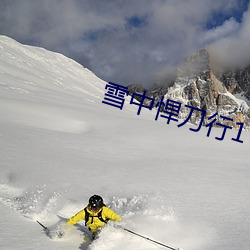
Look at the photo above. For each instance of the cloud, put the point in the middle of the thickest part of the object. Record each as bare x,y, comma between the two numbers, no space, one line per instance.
228,28
124,41
233,49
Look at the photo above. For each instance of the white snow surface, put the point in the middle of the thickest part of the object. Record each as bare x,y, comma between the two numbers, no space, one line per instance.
60,144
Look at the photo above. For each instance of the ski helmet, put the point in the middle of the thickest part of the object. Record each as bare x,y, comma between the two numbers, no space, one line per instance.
95,202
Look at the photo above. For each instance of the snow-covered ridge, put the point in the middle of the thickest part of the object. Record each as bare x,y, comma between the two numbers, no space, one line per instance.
22,67
33,74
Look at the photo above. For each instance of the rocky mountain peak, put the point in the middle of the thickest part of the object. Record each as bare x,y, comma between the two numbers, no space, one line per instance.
197,64
198,85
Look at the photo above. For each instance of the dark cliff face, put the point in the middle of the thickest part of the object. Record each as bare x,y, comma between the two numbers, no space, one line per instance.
237,81
137,88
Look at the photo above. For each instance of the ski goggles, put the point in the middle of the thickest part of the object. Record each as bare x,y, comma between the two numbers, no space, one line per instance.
94,208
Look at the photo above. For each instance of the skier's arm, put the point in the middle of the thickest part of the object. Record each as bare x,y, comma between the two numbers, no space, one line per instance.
110,214
77,217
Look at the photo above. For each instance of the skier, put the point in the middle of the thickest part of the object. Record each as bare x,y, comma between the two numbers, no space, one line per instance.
95,214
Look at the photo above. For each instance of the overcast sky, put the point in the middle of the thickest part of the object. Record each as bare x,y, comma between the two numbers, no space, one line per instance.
131,41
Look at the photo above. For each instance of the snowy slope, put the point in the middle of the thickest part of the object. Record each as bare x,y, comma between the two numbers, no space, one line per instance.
60,144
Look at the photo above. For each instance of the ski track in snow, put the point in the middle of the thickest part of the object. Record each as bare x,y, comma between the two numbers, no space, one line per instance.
145,214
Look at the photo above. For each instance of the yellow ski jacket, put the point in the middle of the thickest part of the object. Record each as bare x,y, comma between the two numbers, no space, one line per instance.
94,223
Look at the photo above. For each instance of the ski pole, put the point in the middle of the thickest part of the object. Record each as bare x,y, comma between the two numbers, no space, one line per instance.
146,238
45,228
